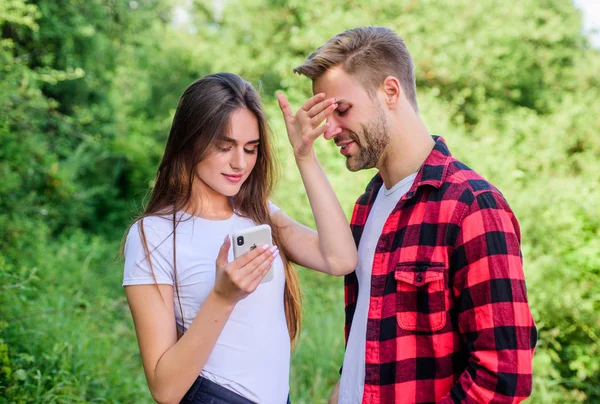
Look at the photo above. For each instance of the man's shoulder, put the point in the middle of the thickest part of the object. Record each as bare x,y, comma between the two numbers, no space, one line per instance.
470,189
466,180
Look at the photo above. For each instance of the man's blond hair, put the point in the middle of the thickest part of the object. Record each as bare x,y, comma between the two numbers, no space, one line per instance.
368,53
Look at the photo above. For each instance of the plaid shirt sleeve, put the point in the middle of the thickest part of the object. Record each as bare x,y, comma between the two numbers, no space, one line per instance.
494,319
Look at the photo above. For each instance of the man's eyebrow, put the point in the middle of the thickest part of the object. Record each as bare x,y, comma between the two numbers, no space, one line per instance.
230,140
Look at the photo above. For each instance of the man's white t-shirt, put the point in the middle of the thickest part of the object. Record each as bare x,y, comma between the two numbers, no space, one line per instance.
353,372
252,354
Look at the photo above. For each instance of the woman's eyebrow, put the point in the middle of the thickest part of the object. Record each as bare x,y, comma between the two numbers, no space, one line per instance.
231,140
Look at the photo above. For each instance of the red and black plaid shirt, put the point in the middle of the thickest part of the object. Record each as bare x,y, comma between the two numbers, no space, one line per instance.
448,315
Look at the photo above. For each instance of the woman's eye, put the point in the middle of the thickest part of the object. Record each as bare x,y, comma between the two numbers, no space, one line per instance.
224,149
250,151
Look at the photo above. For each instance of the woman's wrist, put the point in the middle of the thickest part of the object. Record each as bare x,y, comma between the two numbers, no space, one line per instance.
221,300
307,158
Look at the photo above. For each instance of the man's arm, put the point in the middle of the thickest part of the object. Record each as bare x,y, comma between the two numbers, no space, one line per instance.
494,318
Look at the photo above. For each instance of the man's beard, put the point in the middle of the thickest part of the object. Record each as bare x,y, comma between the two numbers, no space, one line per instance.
371,144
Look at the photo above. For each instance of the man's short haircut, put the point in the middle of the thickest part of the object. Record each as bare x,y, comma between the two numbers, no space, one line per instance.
369,53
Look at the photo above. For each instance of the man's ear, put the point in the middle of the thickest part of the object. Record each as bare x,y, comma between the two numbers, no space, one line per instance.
392,91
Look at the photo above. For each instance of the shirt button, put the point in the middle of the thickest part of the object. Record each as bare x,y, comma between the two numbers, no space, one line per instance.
419,278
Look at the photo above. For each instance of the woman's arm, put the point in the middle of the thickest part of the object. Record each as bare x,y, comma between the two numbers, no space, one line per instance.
335,393
332,249
172,366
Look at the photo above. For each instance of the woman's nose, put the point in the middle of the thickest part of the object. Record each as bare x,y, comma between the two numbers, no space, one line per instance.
238,160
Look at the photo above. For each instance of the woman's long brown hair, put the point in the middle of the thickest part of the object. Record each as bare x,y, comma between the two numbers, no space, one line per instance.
203,114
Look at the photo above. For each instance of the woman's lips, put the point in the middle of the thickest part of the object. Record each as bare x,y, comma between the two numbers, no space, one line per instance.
233,178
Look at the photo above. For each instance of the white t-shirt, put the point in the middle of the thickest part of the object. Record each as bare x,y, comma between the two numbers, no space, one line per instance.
352,382
252,354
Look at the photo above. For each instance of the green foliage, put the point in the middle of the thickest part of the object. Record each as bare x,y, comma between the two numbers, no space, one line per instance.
65,345
87,92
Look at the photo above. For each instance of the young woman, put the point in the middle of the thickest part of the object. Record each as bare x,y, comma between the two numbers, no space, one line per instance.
207,328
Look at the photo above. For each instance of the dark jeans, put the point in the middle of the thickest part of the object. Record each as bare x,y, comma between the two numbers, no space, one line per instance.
203,391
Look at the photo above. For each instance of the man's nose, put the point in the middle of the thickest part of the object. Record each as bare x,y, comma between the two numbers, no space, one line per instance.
333,128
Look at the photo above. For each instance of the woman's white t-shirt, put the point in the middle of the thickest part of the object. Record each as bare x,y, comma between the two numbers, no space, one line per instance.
252,354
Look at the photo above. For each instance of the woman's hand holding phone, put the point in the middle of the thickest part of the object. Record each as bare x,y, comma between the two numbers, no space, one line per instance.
237,279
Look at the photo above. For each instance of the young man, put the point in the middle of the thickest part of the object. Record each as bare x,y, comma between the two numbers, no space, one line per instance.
436,310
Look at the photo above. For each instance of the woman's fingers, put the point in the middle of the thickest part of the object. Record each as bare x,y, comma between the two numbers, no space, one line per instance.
255,278
222,257
284,105
240,277
312,101
321,107
321,116
245,277
251,255
316,109
251,266
304,127
315,133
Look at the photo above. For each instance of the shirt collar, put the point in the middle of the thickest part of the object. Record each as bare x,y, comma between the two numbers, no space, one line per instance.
433,172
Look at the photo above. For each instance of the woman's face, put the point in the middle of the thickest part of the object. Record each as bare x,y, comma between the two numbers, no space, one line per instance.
232,157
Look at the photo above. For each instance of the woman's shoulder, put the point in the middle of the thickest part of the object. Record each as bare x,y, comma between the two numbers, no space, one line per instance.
151,226
148,254
272,207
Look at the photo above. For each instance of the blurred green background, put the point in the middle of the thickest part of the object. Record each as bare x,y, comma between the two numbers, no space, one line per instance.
87,92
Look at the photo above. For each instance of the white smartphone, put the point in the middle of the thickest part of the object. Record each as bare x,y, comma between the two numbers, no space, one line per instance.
248,239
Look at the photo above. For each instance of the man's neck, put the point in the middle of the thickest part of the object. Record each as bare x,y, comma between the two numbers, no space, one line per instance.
409,146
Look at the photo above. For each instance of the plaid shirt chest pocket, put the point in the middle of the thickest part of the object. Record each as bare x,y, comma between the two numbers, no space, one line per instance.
420,296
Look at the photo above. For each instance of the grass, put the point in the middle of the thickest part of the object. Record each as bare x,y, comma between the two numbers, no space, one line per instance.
72,339
71,329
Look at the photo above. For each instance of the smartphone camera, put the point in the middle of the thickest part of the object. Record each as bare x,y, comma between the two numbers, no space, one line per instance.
240,240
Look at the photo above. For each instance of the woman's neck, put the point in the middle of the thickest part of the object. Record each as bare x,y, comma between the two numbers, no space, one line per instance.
209,205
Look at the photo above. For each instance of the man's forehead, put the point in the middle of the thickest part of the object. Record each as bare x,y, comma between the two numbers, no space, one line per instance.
336,82
333,80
